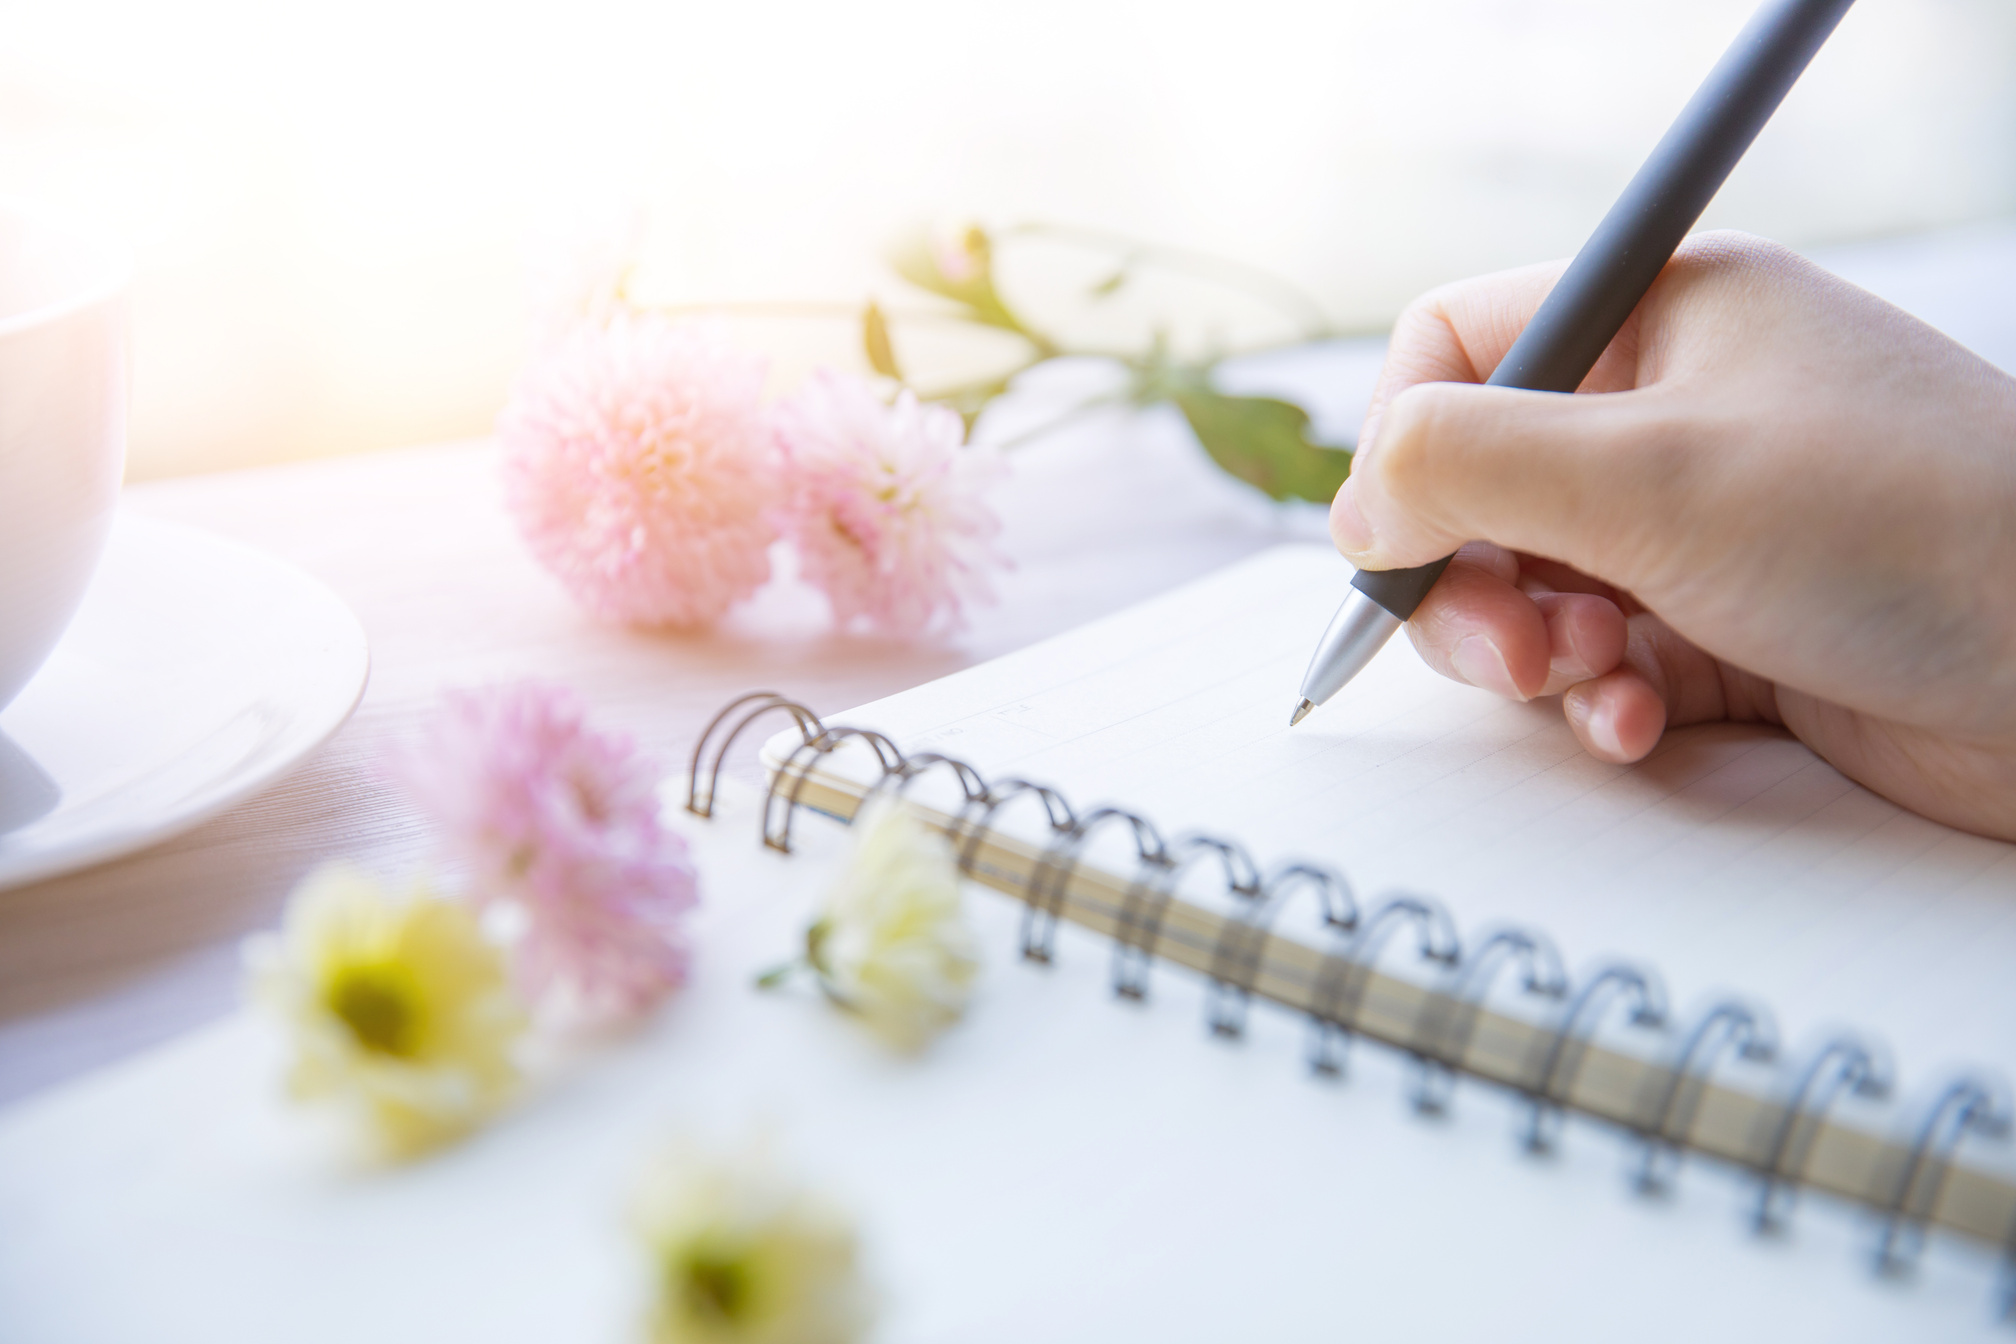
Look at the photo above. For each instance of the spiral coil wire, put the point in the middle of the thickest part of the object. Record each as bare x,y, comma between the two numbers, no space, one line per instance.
1838,1066
1449,1020
1148,900
1558,1056
1242,947
1677,1092
1340,990
1966,1105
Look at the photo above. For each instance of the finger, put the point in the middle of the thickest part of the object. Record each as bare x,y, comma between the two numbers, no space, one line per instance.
1662,681
1537,574
1584,480
1491,559
1477,627
1617,718
1460,332
1585,638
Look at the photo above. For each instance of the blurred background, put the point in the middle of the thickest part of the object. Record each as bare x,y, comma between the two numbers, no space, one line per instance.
342,212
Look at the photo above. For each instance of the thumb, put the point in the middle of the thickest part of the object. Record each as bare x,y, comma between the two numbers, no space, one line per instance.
1579,478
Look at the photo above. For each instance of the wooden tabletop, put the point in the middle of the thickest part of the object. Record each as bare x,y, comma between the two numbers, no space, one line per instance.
97,964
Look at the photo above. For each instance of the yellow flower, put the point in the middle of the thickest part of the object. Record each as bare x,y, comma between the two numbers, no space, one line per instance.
892,942
741,1255
397,1008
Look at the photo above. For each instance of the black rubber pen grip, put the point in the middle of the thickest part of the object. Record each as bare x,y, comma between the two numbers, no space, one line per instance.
1611,273
1400,590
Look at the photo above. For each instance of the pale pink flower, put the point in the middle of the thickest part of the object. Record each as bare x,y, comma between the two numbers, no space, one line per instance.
637,466
560,824
885,504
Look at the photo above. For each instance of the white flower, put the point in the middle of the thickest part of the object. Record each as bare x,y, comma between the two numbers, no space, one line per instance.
740,1254
398,1010
892,942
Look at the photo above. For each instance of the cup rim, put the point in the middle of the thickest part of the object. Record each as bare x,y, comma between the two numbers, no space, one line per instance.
113,261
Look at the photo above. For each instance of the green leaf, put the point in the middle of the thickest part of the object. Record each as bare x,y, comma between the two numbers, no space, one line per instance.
1264,442
875,341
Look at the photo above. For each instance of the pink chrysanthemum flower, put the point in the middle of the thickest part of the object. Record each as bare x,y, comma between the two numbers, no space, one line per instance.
637,466
885,505
559,824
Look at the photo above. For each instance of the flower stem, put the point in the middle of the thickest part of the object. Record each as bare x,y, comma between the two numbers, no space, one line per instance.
1058,422
777,975
1266,285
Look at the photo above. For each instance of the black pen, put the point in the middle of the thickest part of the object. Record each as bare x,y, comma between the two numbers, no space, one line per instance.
1604,283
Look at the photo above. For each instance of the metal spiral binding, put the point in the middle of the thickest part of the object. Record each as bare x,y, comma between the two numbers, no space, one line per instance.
1965,1105
1560,1059
1677,1090
970,827
1151,884
1449,1019
808,726
797,767
1242,944
1840,1064
915,767
1340,988
1043,894
1145,904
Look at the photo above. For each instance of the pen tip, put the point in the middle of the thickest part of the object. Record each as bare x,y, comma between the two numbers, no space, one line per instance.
1302,708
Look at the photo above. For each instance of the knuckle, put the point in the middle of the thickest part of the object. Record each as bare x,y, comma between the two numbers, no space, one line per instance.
1403,464
1425,313
1420,468
1731,254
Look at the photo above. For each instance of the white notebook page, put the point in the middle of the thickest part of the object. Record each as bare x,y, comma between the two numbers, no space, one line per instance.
1059,1167
1733,859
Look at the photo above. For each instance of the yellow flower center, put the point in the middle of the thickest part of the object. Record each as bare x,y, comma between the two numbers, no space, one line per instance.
380,1006
715,1285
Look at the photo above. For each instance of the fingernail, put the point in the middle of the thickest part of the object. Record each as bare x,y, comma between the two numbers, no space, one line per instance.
1603,731
1598,721
1478,661
1348,527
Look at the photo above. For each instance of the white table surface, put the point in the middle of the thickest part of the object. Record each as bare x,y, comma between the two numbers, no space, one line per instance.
99,964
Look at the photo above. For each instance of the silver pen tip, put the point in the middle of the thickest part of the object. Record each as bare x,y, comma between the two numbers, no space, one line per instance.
1302,708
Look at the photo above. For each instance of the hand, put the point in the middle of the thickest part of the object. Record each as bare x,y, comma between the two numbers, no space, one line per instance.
1792,503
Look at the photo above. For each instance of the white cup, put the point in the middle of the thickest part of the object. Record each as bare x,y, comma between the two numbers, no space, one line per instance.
63,393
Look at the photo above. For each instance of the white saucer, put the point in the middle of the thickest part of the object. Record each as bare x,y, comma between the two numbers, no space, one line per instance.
197,671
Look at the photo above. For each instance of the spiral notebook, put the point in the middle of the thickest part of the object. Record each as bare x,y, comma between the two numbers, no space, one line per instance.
1164,1165
1423,867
